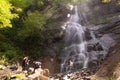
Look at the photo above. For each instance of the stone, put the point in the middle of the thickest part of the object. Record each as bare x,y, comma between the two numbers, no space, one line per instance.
106,42
2,67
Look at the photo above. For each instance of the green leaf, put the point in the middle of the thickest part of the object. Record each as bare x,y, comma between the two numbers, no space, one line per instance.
5,14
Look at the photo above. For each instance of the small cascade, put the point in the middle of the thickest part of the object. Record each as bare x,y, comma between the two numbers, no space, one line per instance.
74,54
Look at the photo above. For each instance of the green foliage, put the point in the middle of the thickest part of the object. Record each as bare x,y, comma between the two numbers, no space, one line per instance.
20,76
62,2
8,53
76,2
19,3
36,2
30,32
5,14
33,22
8,76
3,59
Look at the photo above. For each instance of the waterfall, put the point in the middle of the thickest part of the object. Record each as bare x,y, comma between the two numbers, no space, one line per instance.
75,55
80,53
84,46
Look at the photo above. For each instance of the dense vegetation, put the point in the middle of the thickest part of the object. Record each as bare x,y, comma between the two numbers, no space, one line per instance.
26,26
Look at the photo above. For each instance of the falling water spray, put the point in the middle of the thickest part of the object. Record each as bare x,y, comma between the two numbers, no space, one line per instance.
75,45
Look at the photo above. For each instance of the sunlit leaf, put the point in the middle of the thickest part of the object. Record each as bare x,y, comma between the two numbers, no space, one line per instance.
5,14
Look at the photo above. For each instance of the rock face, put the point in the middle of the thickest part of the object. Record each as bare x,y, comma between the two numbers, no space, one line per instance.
110,68
100,37
105,21
92,11
113,29
107,33
110,37
99,43
51,64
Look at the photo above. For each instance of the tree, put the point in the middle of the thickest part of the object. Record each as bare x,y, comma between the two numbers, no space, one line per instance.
5,14
34,22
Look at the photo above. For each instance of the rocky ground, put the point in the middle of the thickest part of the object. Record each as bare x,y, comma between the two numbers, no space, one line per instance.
109,70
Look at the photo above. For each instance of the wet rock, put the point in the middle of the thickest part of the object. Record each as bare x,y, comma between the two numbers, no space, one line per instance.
90,47
83,74
13,68
106,41
87,34
95,47
86,78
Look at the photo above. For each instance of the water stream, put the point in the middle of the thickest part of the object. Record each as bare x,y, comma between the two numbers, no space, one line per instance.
75,55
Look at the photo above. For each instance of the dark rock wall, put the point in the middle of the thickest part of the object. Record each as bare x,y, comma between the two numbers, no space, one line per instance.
96,12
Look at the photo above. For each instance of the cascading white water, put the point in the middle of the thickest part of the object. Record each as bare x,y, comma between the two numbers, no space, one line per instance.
84,47
75,54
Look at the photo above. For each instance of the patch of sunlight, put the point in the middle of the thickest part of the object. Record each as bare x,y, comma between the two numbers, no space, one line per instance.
118,2
106,1
3,60
17,76
20,76
19,9
118,64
